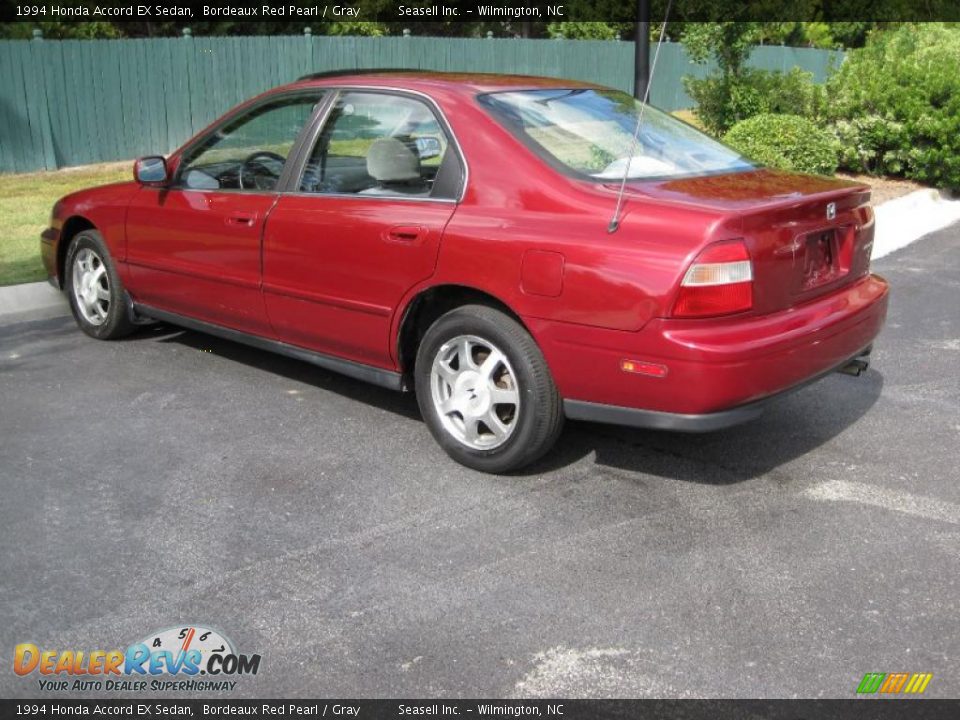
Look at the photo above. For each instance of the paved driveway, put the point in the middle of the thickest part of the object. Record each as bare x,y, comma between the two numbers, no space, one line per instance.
175,478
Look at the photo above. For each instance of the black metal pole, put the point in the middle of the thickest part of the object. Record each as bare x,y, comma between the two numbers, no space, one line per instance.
641,50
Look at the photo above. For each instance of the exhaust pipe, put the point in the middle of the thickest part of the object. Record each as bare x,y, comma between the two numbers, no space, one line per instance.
856,367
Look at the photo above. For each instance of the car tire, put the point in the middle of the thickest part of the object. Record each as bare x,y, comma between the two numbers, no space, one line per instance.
485,390
96,294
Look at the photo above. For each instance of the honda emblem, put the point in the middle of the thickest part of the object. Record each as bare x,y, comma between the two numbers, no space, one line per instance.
831,211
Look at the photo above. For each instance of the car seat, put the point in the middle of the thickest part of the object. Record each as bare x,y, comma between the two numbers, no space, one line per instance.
396,168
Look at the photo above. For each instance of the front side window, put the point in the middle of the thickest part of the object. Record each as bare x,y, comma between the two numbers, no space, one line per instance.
378,144
249,152
589,133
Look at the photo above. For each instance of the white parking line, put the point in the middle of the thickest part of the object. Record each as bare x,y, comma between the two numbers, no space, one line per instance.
916,505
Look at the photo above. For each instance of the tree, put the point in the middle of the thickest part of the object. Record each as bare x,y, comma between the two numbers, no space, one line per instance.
583,30
733,92
730,43
60,30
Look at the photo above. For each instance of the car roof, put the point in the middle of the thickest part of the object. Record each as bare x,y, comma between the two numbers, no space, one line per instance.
469,83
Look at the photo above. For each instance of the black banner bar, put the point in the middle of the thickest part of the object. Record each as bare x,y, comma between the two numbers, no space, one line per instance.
454,11
853,709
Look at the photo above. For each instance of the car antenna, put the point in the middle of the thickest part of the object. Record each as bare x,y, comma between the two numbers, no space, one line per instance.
615,220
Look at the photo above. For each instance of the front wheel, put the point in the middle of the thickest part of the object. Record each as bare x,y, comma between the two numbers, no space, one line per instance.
485,391
96,294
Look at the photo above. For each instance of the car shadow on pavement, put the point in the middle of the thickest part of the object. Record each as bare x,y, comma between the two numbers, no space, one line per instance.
44,338
790,427
404,404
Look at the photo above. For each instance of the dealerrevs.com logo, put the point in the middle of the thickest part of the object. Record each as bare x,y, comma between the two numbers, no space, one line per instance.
191,658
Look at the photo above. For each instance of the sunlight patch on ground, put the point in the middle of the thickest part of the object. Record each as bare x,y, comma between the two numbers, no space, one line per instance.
591,673
901,221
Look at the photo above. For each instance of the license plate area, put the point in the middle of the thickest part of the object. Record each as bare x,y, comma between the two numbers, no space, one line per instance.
821,259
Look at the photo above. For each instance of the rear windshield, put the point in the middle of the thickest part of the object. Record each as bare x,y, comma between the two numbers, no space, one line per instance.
588,133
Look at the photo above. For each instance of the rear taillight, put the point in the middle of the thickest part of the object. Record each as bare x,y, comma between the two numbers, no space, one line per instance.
719,282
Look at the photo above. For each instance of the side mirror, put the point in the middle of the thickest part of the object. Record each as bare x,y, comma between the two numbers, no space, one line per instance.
151,170
428,147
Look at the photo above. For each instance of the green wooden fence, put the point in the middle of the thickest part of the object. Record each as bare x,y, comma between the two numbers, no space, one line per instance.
74,102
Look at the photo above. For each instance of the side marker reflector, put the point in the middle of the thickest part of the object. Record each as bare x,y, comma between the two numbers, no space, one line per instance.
640,367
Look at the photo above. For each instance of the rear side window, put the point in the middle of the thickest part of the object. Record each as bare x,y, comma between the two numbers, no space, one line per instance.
380,144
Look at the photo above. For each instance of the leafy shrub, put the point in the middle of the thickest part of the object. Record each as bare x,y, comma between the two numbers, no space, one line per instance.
583,30
788,142
722,101
895,104
872,145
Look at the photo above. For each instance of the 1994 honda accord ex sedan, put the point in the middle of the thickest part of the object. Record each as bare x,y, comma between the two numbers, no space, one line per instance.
461,236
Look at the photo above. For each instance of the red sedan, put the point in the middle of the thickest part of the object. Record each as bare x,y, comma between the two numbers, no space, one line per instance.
461,236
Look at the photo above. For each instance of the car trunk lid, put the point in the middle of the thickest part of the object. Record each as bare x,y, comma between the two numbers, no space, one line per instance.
807,235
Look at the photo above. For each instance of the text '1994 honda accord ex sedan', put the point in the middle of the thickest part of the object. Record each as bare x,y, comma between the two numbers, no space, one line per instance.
465,237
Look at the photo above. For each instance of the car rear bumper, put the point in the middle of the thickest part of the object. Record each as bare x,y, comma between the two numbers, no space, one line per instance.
680,422
717,372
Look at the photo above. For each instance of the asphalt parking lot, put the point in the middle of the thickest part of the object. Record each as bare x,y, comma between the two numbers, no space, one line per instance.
176,478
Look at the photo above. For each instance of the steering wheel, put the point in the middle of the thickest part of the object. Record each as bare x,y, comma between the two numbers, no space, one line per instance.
256,178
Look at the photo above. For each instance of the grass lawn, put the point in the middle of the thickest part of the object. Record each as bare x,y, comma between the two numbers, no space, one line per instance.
689,117
25,204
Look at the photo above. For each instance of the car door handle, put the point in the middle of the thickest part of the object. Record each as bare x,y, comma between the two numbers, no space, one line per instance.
242,219
405,233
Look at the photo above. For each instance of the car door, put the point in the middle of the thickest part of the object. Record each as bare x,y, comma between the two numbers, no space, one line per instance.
194,247
377,185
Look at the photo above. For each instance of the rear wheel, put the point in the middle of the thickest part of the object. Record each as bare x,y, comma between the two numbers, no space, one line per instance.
485,391
94,289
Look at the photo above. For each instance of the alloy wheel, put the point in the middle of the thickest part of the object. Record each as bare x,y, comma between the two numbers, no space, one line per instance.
91,286
474,391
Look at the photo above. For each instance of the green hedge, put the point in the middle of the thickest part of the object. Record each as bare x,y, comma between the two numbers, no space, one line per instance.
788,142
895,105
723,102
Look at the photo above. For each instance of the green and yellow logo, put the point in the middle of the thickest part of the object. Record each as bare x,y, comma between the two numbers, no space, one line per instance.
894,683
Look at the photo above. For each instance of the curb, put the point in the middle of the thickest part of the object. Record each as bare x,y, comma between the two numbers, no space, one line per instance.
906,219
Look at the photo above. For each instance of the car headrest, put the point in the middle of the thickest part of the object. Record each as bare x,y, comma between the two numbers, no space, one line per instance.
389,160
